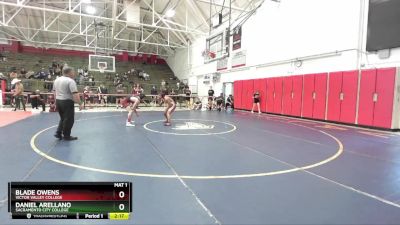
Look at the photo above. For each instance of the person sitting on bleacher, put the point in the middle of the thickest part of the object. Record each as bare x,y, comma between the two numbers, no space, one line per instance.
41,74
23,72
125,77
30,74
57,71
13,74
54,64
146,76
80,72
141,75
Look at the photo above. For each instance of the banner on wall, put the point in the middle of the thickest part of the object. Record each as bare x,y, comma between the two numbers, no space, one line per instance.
222,64
237,38
239,59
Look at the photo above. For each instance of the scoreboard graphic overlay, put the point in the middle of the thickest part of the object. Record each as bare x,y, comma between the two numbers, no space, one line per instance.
70,200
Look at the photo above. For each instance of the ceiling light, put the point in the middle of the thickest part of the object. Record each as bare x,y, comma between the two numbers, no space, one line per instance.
170,13
86,1
90,10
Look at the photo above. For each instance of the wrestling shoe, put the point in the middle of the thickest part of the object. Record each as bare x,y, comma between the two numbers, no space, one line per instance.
130,124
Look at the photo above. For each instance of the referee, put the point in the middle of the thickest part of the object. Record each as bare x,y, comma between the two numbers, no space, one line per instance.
66,93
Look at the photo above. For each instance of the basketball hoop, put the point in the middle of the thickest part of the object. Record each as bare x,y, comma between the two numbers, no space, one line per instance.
102,69
102,66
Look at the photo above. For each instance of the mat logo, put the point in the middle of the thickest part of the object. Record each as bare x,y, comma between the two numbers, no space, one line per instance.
193,126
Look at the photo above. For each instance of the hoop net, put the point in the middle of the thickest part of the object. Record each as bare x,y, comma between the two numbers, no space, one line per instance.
102,66
102,69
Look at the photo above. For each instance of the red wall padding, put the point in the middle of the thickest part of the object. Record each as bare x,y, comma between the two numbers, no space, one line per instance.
247,94
270,94
376,112
287,95
348,106
366,103
308,101
237,94
334,95
334,102
343,84
297,95
278,95
385,81
320,96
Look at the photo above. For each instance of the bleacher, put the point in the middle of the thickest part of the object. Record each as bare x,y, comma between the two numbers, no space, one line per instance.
35,62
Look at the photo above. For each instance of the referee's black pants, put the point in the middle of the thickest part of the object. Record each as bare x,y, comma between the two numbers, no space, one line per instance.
66,110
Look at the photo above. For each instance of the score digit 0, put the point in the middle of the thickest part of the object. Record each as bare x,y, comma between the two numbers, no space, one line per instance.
121,194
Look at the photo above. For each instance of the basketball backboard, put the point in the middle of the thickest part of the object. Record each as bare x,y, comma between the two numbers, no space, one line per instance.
101,63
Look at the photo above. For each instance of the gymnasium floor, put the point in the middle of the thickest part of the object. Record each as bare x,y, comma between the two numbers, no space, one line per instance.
215,168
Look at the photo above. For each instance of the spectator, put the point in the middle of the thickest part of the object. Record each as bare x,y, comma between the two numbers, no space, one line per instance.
2,77
163,84
51,71
18,94
41,74
120,90
256,102
13,74
146,76
210,98
220,101
197,105
37,100
54,64
229,102
102,94
80,72
188,93
23,72
81,79
57,71
154,92
3,57
30,74
87,97
91,81
141,75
